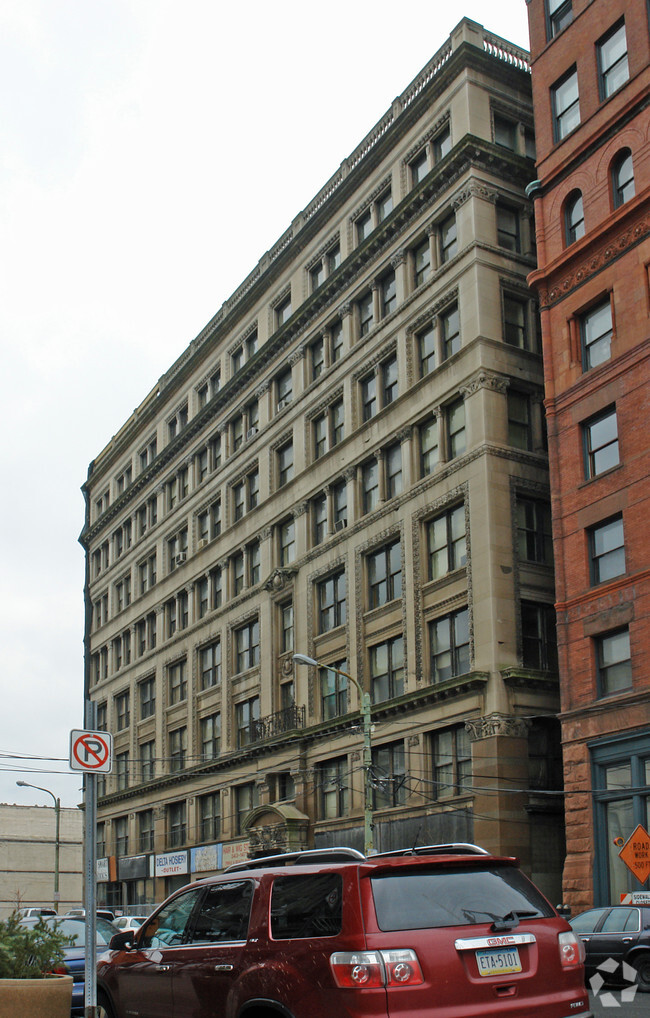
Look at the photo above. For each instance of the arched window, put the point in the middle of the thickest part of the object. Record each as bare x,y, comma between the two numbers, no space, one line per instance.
622,178
574,217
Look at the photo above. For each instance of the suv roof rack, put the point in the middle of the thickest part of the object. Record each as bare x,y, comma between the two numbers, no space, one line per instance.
452,848
310,855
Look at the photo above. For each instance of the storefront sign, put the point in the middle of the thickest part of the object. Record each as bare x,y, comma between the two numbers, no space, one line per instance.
132,867
101,869
234,852
171,863
206,858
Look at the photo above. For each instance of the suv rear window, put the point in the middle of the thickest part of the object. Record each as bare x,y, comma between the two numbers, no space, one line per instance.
425,899
306,906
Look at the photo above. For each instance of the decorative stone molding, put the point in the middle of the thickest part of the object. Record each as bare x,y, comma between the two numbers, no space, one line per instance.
262,388
485,380
299,510
497,725
475,190
432,311
298,355
398,259
280,578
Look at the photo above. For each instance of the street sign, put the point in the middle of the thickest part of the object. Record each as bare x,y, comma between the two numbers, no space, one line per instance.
91,751
636,854
635,898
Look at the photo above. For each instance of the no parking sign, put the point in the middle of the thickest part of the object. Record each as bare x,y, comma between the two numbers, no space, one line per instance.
91,751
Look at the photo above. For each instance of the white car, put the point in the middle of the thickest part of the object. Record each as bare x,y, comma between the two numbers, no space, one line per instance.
130,922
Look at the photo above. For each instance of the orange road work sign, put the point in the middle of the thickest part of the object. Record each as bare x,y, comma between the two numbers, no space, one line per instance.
636,853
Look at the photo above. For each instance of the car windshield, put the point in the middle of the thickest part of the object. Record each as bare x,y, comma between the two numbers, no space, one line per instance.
423,899
76,928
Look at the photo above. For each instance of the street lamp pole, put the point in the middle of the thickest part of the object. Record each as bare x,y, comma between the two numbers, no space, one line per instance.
366,718
57,837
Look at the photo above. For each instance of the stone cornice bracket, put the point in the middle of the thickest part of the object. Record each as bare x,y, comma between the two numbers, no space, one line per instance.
497,724
485,380
398,259
345,309
298,355
300,509
262,388
474,190
279,578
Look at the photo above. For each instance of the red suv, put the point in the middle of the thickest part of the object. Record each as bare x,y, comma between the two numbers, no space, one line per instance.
445,932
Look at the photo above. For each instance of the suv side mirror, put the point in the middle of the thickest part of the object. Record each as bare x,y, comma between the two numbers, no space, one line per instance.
122,941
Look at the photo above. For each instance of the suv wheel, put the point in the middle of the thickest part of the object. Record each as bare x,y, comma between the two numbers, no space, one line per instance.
642,966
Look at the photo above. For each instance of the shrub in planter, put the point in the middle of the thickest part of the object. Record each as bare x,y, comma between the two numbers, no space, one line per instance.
29,958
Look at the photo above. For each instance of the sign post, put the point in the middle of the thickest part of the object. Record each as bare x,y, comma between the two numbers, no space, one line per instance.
92,753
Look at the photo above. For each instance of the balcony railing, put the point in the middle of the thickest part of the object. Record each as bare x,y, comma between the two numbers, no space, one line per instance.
278,723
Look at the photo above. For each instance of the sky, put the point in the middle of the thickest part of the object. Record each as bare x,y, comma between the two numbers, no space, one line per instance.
151,151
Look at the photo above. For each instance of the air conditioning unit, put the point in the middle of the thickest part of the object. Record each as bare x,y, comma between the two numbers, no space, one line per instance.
340,525
283,402
180,558
251,432
203,543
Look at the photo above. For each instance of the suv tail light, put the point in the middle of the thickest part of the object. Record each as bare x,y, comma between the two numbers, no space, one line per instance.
572,950
364,969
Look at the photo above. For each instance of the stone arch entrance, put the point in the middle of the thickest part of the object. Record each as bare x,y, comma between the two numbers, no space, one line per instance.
276,829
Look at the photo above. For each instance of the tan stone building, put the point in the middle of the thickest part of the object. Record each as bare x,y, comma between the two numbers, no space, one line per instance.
27,857
349,462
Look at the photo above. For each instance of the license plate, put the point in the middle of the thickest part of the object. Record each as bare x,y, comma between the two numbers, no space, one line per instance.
498,961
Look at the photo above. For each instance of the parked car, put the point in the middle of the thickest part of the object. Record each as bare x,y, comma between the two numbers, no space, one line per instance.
80,913
130,922
447,931
29,913
620,932
74,963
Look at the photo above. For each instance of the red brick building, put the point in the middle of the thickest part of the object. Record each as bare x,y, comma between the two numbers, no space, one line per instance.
591,77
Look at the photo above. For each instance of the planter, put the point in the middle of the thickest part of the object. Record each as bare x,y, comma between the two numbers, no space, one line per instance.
36,998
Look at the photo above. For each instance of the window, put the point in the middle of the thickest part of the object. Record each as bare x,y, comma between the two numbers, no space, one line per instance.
428,445
122,710
177,674
209,522
147,698
210,817
601,443
246,799
365,312
448,239
247,714
384,571
253,562
247,646
146,831
505,132
613,662
455,418
317,357
333,690
284,388
520,425
209,389
364,226
245,494
122,770
283,311
147,761
211,737
287,533
574,218
177,549
596,335
539,643
389,384
332,785
177,829
177,749
559,15
340,504
426,341
368,397
328,428
121,836
149,453
388,294
384,204
612,61
393,469
419,167
450,329
517,325
369,486
331,594
607,550
333,258
176,423
449,637
508,232
319,518
123,480
566,105
285,463
389,776
451,755
441,144
623,178
210,664
317,275
446,542
216,586
286,627
534,540
237,563
421,262
387,669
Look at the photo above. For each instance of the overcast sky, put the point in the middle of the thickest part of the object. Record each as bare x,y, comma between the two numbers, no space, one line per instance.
151,151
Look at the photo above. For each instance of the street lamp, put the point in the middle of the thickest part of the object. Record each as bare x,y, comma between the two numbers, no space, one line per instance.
364,707
57,815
